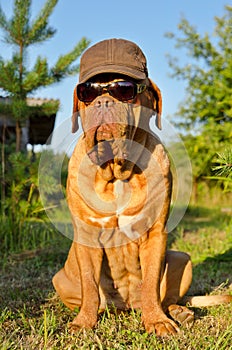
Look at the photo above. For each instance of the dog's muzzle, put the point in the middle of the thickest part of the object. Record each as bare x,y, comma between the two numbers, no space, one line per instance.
110,127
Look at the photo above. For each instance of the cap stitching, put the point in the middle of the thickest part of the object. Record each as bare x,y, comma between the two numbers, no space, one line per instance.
111,50
110,54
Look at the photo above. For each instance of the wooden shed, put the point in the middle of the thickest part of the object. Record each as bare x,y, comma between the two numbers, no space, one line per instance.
37,128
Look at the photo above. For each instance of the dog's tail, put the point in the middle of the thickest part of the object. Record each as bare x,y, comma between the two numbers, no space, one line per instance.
207,300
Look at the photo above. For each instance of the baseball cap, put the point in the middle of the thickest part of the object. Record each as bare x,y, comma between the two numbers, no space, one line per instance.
113,56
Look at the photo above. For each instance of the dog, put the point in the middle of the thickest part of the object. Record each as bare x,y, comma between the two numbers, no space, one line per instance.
119,191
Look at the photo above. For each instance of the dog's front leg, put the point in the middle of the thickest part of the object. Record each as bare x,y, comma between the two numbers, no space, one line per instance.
152,255
89,261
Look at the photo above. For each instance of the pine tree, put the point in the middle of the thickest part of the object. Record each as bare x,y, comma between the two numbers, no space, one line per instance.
16,81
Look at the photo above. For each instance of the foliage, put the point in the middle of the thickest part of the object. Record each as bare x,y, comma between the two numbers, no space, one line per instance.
209,76
203,147
21,206
205,115
16,79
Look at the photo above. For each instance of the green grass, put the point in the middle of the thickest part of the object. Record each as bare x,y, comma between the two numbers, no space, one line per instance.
32,317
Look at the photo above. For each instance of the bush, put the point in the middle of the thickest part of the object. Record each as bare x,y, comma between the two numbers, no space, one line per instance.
24,220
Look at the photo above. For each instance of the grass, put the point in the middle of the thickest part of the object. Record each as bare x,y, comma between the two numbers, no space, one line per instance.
32,317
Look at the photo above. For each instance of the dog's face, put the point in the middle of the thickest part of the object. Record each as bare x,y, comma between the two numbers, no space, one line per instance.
112,126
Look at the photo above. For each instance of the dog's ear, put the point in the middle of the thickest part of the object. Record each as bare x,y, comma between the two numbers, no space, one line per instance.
157,103
75,114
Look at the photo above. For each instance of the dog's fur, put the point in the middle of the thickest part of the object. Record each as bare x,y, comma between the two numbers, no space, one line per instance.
119,190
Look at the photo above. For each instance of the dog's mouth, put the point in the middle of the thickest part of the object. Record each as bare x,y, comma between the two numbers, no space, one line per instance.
112,133
111,151
109,144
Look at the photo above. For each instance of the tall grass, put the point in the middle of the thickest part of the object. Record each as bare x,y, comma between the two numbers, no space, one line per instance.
24,224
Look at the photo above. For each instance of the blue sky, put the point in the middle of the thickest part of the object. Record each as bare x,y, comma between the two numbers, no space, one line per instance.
144,22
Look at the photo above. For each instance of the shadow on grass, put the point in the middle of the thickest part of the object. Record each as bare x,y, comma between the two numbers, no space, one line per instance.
26,278
213,274
201,217
197,218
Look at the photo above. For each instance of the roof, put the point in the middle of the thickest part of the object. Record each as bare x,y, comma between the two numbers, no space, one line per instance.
40,123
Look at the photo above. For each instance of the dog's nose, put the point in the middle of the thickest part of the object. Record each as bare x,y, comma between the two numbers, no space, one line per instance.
104,102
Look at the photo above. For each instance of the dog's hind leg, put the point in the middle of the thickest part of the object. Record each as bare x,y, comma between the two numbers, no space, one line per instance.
67,282
175,283
69,292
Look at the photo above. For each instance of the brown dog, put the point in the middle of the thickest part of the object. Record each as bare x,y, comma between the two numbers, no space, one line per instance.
119,190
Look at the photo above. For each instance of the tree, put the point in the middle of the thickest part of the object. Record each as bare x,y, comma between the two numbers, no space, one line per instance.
209,79
205,115
16,80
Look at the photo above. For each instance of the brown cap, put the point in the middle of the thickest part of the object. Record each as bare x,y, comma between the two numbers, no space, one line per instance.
113,56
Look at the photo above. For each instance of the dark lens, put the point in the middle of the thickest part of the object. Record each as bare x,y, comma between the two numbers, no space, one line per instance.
123,90
87,92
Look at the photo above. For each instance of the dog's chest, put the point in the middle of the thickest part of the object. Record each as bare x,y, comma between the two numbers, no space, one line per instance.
117,212
128,218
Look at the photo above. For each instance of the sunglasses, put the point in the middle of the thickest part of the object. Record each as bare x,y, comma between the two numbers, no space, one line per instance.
121,90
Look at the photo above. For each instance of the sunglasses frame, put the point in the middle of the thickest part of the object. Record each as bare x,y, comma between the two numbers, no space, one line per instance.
101,87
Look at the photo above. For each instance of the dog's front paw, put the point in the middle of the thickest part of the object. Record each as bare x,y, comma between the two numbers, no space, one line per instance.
83,320
162,327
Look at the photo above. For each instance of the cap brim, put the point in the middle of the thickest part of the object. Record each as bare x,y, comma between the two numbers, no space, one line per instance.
135,74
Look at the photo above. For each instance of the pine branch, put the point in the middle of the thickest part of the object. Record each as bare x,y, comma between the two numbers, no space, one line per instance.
20,21
41,75
38,77
3,21
39,30
9,78
224,167
63,67
16,28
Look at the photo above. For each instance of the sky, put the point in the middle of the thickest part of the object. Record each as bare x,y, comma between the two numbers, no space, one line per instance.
144,22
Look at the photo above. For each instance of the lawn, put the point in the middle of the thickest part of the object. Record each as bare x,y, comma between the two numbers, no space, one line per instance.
32,317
